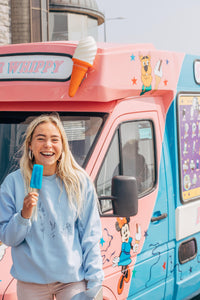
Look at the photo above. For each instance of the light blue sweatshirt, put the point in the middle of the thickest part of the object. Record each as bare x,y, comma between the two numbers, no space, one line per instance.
58,247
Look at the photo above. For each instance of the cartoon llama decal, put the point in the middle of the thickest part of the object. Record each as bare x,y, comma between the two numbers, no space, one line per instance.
124,258
146,75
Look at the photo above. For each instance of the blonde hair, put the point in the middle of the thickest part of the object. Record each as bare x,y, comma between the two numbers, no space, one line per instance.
68,170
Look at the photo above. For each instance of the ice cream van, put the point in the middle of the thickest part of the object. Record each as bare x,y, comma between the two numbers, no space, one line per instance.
132,118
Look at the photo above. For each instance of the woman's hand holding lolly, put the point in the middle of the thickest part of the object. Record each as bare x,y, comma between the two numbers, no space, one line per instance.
30,201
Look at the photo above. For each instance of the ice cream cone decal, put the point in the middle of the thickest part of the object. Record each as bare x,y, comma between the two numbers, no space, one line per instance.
158,74
83,59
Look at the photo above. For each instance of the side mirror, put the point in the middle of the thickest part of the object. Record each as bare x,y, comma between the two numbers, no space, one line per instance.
124,189
124,196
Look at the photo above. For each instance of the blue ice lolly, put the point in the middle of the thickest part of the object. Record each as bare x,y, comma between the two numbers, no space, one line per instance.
36,178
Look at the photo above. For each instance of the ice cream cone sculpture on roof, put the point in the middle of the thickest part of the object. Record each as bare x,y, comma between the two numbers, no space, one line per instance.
83,59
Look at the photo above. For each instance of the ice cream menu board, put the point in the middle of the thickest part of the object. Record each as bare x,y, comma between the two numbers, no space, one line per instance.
189,145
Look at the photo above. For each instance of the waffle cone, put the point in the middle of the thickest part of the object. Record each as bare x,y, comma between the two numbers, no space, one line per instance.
78,72
157,80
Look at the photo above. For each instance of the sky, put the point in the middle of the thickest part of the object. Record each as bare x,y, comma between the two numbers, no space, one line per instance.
172,25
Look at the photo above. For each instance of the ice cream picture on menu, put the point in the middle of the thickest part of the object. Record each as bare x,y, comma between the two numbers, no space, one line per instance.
83,59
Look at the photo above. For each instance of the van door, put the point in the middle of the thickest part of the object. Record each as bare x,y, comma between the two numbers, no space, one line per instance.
134,250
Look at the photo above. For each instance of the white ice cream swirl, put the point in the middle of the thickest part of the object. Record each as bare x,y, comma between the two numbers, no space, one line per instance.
86,50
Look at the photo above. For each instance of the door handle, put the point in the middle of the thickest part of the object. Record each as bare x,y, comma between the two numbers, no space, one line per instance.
161,217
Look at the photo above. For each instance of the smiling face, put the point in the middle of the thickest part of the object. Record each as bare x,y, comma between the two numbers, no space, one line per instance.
46,145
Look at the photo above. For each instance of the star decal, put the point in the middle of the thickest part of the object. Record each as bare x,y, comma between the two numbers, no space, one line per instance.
102,242
164,266
167,61
132,57
134,80
133,273
165,82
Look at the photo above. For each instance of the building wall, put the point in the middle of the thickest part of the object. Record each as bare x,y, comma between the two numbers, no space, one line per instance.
20,21
5,22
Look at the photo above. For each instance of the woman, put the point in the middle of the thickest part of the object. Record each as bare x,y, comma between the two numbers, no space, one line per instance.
58,253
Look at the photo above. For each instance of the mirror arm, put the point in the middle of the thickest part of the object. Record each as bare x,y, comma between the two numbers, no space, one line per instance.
107,198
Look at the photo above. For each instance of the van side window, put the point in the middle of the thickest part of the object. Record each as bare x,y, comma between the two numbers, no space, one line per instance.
131,153
109,169
138,153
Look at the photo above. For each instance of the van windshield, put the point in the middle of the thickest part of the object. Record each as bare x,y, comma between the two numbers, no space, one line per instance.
82,130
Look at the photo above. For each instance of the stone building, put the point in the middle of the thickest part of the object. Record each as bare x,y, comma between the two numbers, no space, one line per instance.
5,22
25,21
